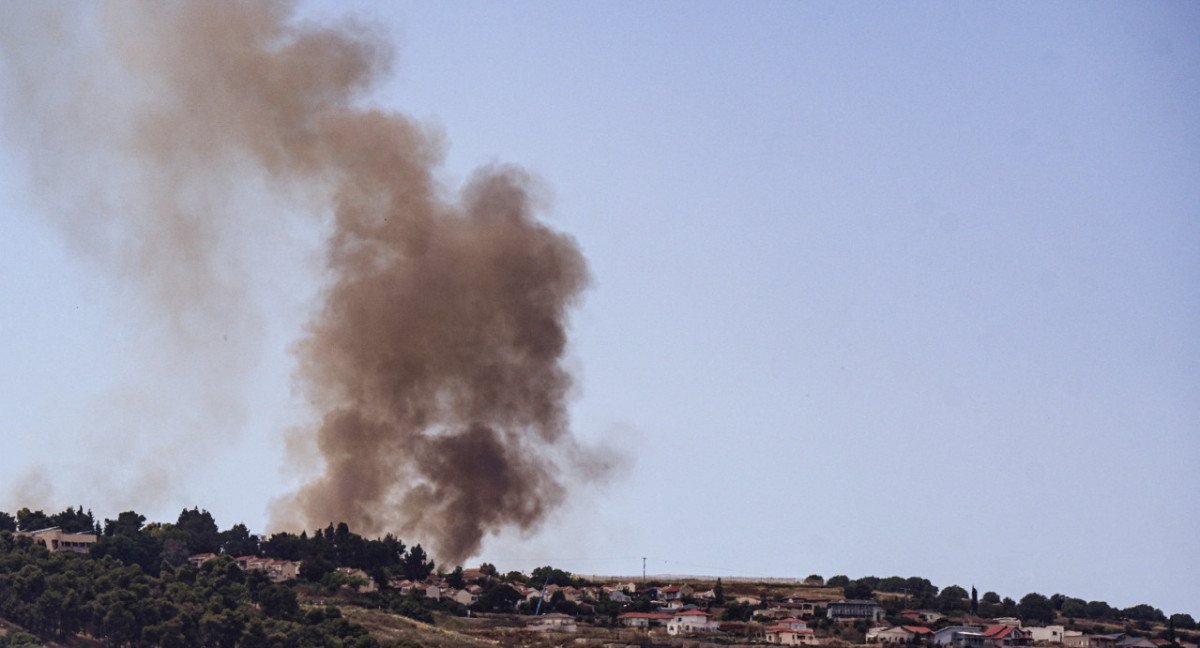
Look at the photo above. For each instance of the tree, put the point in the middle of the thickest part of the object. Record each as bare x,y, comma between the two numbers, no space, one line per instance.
1183,621
1100,610
284,546
201,529
858,590
1035,607
238,541
738,611
974,600
841,580
1074,608
314,569
1144,612
28,520
417,566
127,524
455,579
74,521
951,599
7,522
719,593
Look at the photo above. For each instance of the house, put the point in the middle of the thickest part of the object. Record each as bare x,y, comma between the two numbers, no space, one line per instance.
793,623
775,611
282,570
1003,636
901,634
402,585
1052,634
463,597
616,594
195,560
806,607
529,594
854,610
787,636
553,622
367,584
644,619
1090,641
1136,642
57,540
430,591
949,635
690,621
676,592
922,616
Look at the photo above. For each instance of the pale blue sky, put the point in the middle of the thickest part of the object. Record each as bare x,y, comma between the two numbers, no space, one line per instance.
891,289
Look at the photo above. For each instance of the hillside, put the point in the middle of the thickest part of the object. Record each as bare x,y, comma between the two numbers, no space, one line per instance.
66,580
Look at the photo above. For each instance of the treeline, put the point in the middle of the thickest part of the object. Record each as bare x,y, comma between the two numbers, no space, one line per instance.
136,588
1033,608
129,539
58,595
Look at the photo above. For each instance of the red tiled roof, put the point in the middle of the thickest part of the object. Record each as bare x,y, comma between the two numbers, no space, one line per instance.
917,629
693,613
998,631
646,615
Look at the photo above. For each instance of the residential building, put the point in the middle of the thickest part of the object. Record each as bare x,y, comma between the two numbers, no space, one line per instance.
57,540
949,635
1006,636
854,610
690,621
195,560
1090,641
553,622
1052,634
900,634
787,636
644,619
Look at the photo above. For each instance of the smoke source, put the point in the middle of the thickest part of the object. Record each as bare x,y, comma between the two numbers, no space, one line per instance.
434,360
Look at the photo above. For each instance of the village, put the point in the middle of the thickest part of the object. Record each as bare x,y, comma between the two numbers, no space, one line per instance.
550,607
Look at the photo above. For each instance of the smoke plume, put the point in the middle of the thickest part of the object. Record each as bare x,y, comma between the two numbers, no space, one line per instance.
434,359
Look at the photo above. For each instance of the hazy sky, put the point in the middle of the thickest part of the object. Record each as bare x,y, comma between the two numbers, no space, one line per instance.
890,289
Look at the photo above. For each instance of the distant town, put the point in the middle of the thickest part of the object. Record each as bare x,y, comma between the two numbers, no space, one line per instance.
68,580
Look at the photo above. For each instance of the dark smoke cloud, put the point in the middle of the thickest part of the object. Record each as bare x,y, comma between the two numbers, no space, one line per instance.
435,359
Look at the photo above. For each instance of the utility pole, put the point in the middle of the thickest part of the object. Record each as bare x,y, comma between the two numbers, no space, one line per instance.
643,569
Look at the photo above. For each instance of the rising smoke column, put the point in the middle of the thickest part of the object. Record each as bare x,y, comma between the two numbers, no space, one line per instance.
434,360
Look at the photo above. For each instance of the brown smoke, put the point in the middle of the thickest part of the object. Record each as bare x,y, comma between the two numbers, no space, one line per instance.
435,358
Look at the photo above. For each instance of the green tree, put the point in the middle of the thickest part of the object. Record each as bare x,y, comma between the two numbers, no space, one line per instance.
417,566
28,520
74,521
1144,612
738,611
7,522
1035,608
719,593
858,590
238,541
1074,608
127,524
1183,621
1100,610
841,580
201,529
951,599
455,578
